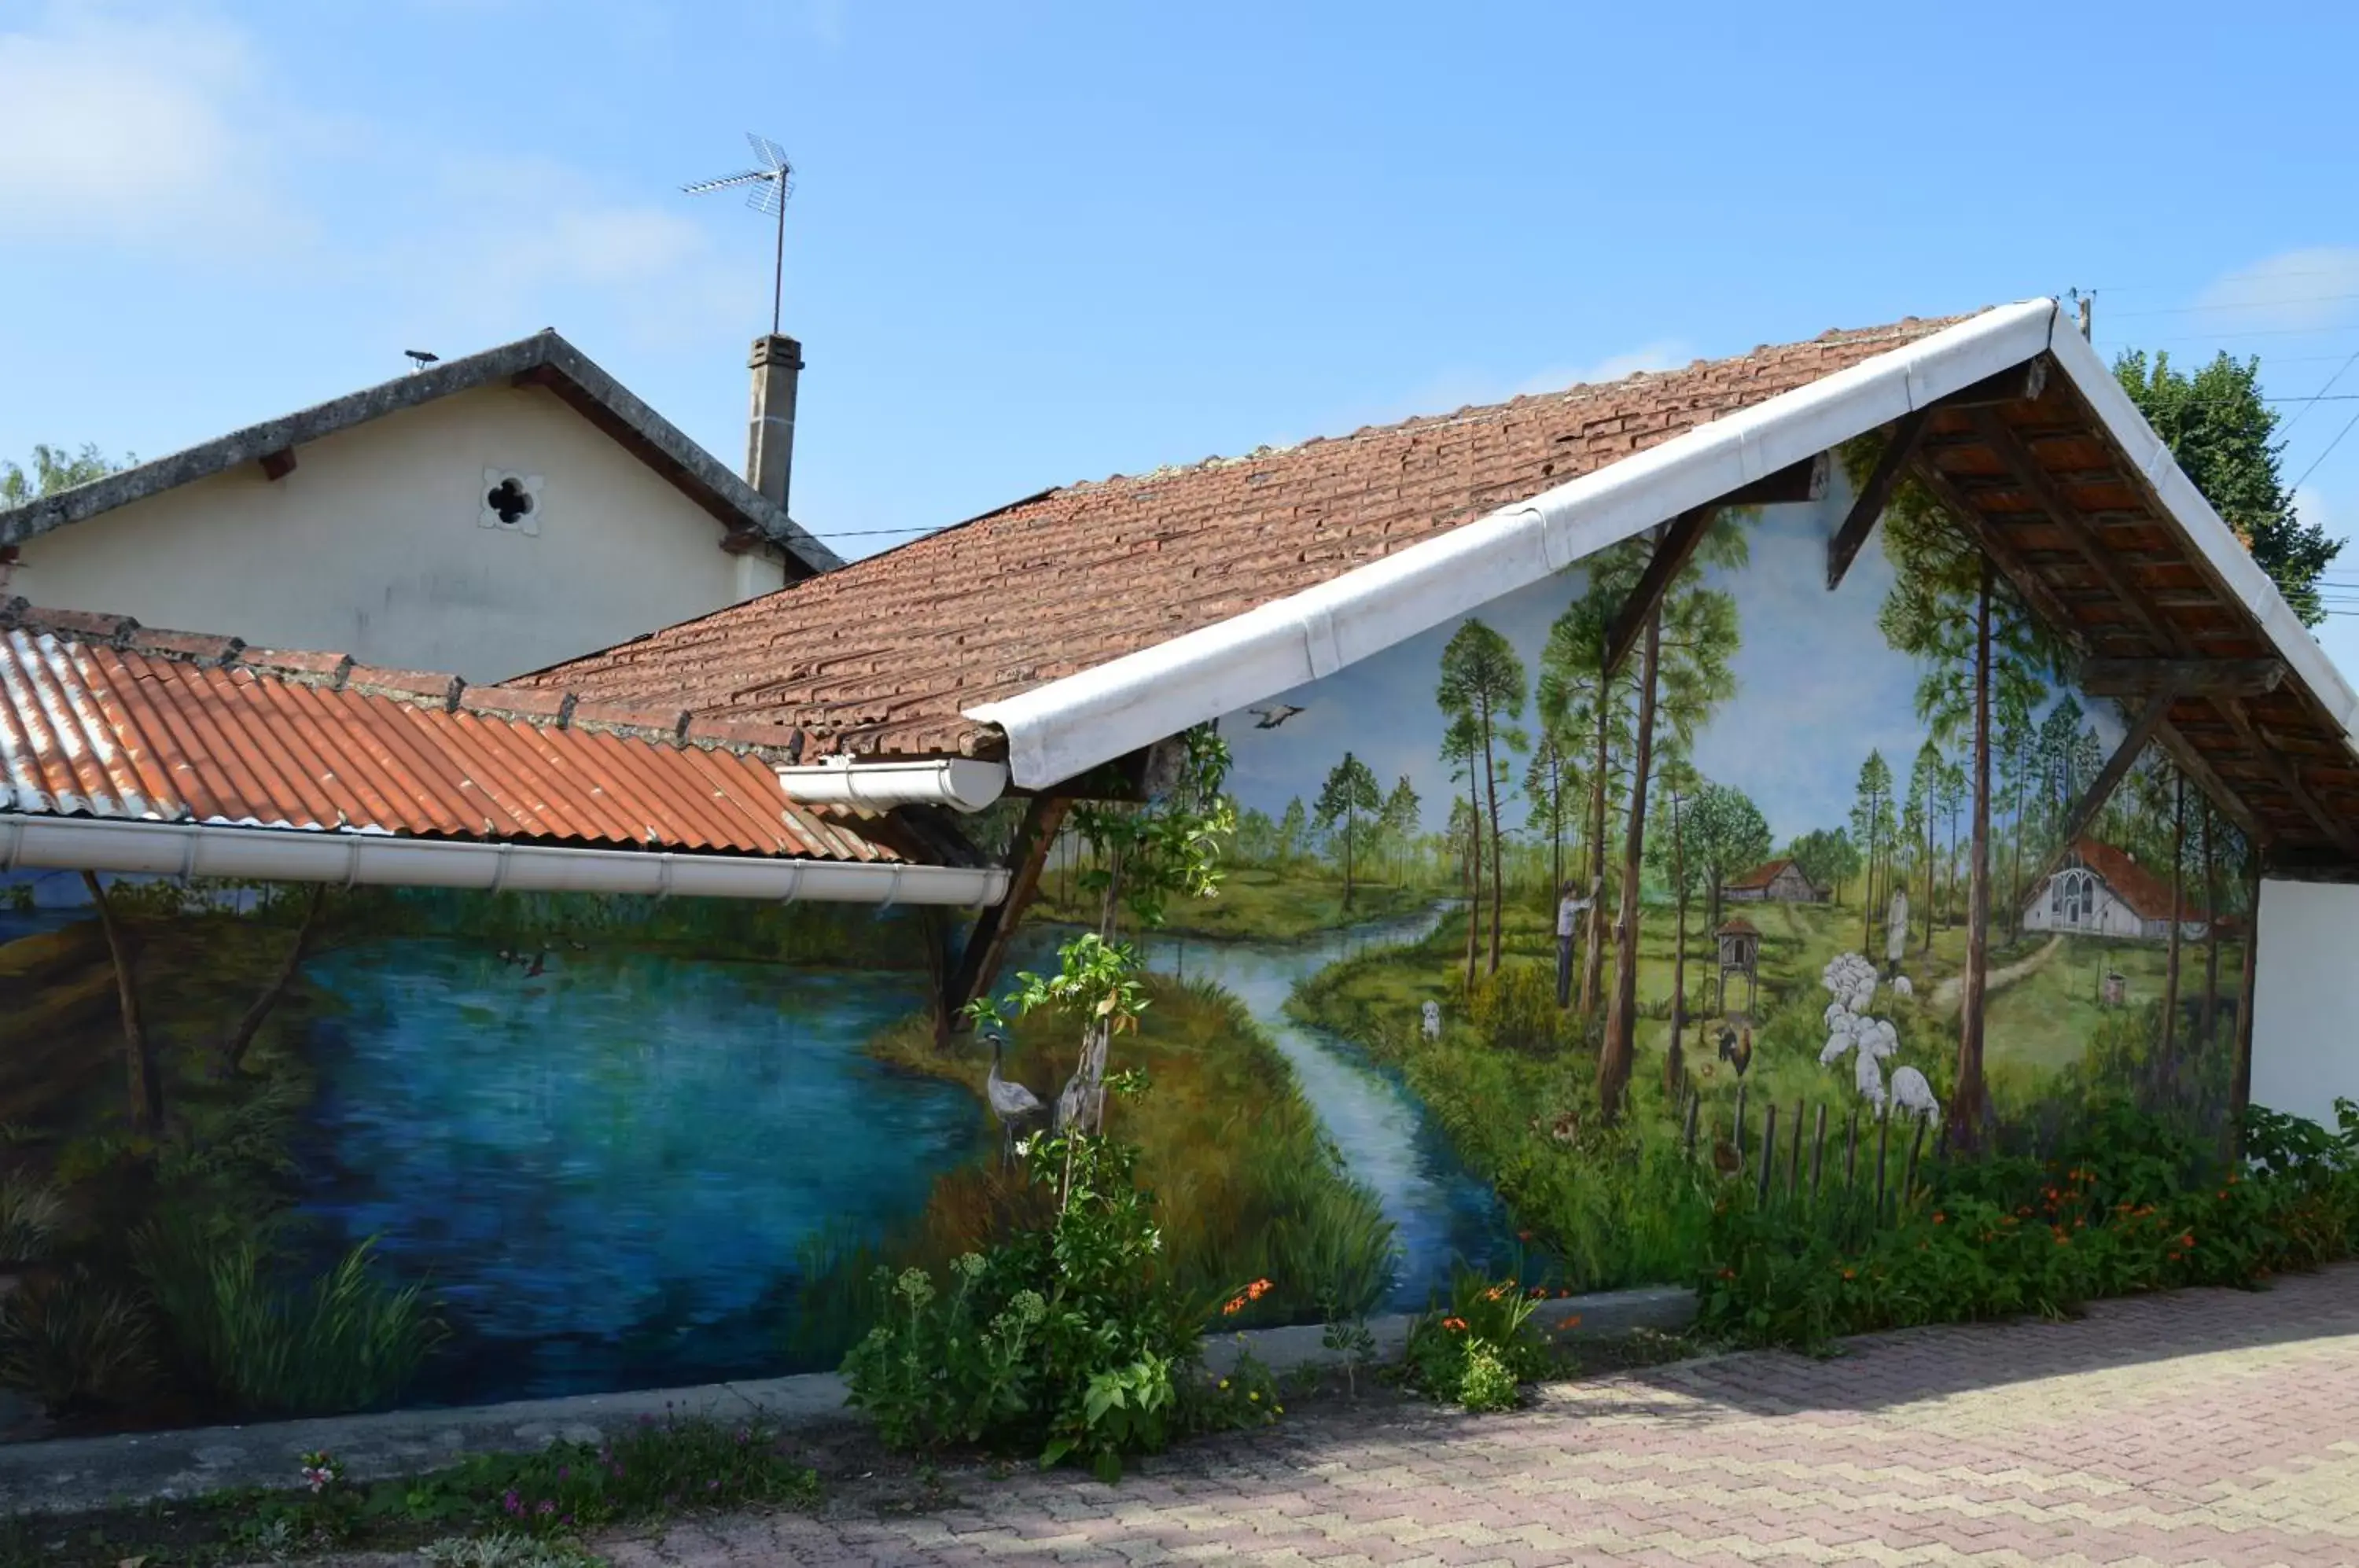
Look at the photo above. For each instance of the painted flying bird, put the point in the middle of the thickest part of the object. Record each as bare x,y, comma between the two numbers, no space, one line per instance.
1011,1102
1276,714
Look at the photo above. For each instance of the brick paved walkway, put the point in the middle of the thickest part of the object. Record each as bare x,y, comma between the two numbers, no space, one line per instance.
2212,1427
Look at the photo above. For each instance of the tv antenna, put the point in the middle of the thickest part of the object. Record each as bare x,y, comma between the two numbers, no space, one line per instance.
766,189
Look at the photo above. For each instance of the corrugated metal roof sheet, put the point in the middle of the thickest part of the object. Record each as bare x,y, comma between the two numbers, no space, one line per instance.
88,729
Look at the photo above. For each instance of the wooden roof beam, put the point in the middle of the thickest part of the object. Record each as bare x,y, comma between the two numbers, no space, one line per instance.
2199,677
1899,451
2141,732
1673,551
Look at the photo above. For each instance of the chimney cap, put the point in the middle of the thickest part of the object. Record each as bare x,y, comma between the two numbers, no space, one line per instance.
777,347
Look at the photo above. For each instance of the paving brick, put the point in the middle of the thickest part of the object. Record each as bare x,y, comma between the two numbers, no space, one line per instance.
2207,1427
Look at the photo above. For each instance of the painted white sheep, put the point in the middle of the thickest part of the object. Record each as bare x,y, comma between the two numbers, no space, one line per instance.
1901,986
1432,1021
1913,1096
1870,1079
1836,1045
1878,1039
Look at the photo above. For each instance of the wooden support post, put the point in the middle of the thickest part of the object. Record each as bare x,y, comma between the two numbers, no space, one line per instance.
1818,1154
1740,1126
2240,1092
1899,451
1695,1102
1769,1154
1851,1150
1673,551
1794,1157
1883,1143
1909,1173
987,945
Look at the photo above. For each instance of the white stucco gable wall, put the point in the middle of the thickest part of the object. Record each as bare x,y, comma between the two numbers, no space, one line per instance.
374,546
2306,998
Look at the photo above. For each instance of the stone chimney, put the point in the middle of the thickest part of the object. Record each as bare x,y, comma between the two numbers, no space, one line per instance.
777,362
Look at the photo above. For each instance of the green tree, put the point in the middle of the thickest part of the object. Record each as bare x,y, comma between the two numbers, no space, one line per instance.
1293,833
1955,794
1918,813
1551,783
1828,857
1676,786
1256,840
1576,699
1349,793
2222,433
1871,828
1483,681
1728,836
55,469
1401,818
1462,749
1686,670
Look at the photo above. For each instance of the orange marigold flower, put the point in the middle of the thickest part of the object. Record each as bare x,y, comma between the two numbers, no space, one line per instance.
2187,1240
1455,1325
1939,1218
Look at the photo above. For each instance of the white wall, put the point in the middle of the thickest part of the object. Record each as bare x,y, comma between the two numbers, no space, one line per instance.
373,546
2305,1002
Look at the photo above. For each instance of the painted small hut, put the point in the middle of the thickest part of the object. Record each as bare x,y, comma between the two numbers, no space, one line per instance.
2104,891
1740,953
1774,882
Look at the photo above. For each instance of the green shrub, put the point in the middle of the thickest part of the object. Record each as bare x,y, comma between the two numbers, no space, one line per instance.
1480,1349
1071,1338
2132,1203
349,1342
72,1344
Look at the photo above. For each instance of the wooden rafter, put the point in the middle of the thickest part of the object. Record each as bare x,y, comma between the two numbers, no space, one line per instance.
987,945
1673,551
2281,767
1899,451
2037,483
279,465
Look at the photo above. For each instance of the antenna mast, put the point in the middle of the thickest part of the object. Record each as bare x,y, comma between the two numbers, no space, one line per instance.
767,187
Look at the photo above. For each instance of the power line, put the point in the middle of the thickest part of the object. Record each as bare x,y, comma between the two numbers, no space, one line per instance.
2323,456
2233,305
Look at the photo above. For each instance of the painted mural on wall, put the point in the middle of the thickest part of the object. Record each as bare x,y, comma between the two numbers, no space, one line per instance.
364,1147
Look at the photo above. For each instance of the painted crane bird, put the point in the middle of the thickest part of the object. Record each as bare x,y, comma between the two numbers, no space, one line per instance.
1011,1102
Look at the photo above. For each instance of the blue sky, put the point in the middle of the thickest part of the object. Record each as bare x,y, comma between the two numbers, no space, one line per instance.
1034,243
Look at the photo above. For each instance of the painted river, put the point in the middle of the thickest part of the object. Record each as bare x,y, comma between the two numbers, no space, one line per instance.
618,1171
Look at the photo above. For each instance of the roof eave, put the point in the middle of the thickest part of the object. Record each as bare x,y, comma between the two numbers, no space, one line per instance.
1067,726
546,357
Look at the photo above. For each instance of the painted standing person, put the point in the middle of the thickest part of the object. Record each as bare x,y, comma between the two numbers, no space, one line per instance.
1570,904
1896,932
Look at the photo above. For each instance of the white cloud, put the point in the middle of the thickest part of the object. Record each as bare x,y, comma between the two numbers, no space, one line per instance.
2294,291
148,132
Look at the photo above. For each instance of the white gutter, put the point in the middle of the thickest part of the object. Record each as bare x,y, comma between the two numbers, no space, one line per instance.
383,860
1069,727
958,782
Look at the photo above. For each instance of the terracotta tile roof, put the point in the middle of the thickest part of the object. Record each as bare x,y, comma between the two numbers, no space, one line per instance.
883,655
1760,876
2148,896
99,718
